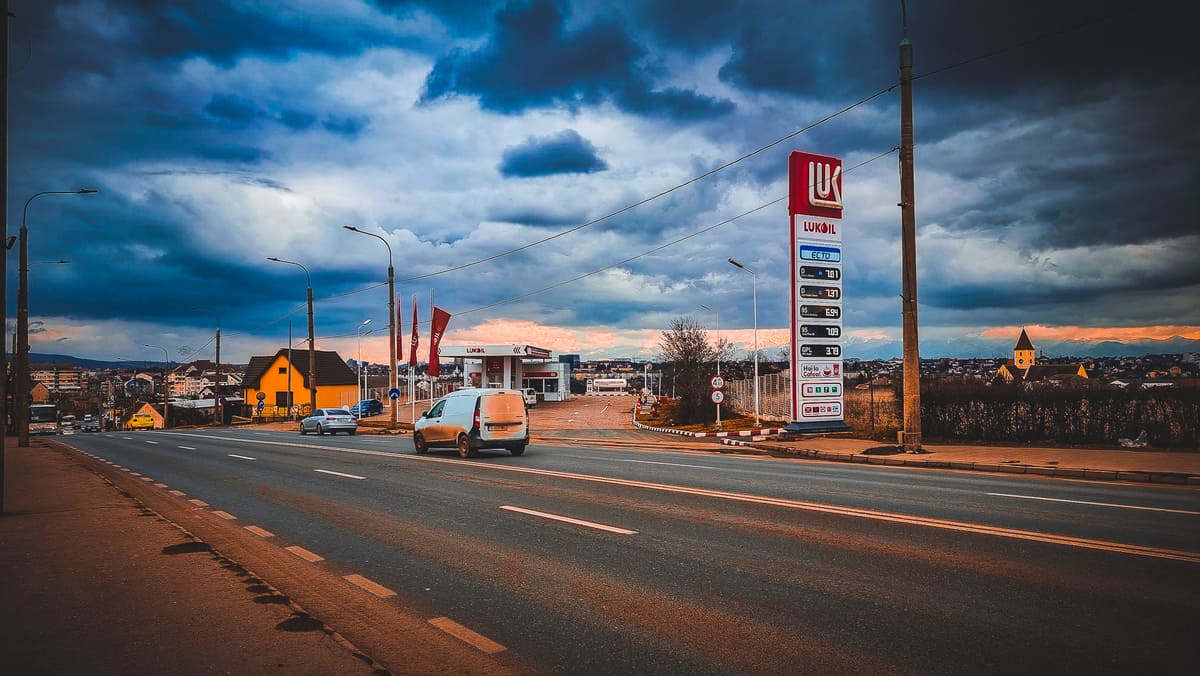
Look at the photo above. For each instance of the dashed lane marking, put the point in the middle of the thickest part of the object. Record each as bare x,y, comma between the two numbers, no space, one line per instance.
198,503
225,515
892,517
260,532
179,493
341,474
188,448
146,478
160,485
567,519
305,554
475,640
241,457
367,585
152,442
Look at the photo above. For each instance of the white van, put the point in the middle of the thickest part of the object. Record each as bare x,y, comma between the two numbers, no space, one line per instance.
530,395
471,419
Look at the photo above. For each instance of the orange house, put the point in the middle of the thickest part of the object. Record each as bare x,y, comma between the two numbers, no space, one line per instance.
274,377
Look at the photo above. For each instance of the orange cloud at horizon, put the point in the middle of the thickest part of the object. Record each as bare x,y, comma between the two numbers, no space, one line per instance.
1095,334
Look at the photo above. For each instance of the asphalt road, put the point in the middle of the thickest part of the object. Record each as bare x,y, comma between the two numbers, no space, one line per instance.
698,563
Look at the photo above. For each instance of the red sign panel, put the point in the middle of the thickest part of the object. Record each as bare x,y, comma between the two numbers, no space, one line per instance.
815,185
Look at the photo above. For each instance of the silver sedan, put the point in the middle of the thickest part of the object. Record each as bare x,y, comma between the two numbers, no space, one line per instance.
332,420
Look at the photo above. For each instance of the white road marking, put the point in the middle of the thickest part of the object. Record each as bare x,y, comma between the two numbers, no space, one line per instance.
242,457
260,532
893,517
152,442
672,464
305,554
476,640
567,519
225,515
188,448
1096,504
198,502
373,587
348,476
128,438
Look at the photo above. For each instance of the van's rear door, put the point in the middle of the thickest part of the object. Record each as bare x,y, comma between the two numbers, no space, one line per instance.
502,415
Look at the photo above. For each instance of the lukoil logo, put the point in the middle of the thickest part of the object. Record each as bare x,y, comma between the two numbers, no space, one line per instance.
825,185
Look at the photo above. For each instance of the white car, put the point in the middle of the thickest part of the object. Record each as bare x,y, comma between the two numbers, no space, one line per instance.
471,419
332,420
530,395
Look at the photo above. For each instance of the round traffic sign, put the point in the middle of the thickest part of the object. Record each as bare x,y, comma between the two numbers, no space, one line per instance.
718,396
394,393
718,382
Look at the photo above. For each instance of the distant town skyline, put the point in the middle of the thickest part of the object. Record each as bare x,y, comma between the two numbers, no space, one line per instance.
496,146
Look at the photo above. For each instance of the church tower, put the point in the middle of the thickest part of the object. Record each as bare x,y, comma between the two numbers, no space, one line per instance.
1023,353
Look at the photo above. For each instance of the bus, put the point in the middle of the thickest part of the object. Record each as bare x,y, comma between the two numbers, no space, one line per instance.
43,419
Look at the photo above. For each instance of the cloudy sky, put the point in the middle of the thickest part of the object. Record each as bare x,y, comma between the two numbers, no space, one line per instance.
1057,169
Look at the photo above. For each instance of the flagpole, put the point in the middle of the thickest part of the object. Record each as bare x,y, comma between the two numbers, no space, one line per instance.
431,388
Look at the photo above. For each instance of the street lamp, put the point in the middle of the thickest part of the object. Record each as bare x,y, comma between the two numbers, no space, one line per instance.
361,396
21,381
166,365
734,262
391,317
718,314
312,341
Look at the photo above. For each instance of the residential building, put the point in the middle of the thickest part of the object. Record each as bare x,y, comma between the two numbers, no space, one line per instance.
273,376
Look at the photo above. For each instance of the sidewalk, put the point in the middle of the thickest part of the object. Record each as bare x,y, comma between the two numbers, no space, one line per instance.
96,583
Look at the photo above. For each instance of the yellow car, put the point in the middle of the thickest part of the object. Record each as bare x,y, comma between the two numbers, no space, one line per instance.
140,421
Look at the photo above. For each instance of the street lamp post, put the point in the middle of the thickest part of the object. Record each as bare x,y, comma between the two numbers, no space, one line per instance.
753,275
391,318
361,396
21,379
312,341
166,366
718,315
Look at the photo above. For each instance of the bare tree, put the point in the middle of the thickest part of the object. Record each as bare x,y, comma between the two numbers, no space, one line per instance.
689,359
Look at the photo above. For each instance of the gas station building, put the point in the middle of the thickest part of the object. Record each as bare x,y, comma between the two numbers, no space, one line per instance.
511,367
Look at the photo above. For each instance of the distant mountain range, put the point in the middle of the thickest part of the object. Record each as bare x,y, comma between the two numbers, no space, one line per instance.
962,348
39,358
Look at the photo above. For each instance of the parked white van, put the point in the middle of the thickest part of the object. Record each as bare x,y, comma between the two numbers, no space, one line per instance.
471,419
530,395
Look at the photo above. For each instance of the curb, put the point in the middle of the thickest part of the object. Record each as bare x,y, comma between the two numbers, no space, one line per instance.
742,433
1012,468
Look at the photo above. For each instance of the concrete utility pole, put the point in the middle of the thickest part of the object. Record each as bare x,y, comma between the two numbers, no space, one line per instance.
910,439
217,412
4,411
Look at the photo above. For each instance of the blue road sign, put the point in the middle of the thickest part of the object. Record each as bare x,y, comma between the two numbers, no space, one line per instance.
394,393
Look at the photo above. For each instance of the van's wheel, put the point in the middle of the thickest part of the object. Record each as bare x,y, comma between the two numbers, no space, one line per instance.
517,450
464,447
419,443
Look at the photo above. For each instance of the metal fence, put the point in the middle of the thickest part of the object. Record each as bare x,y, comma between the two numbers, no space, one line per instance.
774,396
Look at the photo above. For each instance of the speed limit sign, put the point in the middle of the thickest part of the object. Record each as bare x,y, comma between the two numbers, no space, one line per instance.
718,382
718,396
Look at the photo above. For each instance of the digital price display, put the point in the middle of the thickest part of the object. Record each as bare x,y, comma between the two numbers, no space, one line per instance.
821,254
820,331
820,311
820,351
820,272
820,292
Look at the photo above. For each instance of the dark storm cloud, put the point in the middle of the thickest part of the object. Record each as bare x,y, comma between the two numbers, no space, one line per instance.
563,153
533,60
233,109
346,125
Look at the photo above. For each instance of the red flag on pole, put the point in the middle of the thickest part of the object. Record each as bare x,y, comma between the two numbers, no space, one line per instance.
412,357
399,334
440,319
